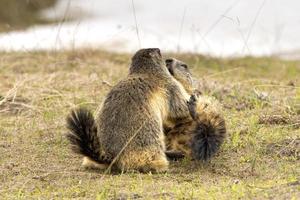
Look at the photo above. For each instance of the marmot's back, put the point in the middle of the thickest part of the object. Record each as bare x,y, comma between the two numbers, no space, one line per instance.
124,111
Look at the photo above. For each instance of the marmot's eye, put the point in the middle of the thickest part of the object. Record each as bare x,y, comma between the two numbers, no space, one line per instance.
184,66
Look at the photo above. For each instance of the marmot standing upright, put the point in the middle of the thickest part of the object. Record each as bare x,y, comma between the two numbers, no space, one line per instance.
200,137
129,125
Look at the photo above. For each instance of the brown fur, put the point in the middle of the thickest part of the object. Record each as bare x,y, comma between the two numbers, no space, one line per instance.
143,101
207,122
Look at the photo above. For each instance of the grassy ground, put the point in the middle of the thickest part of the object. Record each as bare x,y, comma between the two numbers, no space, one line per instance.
260,158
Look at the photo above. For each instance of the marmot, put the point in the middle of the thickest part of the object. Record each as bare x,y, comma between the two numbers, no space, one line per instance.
200,137
129,125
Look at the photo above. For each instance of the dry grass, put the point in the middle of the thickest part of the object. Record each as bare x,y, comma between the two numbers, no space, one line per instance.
260,158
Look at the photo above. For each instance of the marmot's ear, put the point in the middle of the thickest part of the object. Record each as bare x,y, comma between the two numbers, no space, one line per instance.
170,65
157,50
169,61
153,52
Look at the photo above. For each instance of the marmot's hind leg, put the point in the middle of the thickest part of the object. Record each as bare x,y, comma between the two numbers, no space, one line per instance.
178,141
90,164
143,161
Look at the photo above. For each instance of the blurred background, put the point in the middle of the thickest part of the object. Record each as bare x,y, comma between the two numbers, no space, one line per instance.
212,27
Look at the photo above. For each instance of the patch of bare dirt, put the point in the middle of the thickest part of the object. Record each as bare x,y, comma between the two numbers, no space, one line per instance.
279,119
239,104
285,148
231,96
217,89
124,196
13,105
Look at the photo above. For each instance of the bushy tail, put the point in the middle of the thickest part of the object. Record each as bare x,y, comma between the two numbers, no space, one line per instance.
83,135
210,129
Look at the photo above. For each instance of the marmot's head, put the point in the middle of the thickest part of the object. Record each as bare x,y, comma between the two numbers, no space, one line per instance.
180,71
146,60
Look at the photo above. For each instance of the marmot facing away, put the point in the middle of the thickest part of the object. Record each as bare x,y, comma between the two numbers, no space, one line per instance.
129,125
200,137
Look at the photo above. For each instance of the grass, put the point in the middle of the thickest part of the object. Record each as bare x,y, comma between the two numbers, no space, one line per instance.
259,160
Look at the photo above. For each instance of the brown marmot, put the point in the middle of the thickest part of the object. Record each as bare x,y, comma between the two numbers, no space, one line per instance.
200,137
129,125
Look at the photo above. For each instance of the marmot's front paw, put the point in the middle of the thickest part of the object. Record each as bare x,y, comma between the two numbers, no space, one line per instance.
192,104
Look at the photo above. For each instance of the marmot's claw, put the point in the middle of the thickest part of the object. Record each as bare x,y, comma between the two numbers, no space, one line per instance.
192,105
193,99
